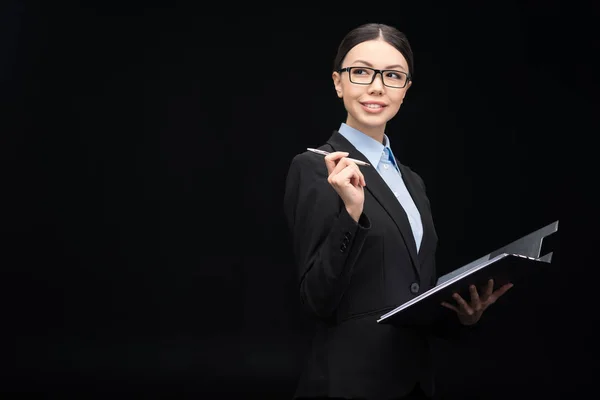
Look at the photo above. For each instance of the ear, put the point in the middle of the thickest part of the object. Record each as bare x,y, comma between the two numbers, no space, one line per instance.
337,83
405,91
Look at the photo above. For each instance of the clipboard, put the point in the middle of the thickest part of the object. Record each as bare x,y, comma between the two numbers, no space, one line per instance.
515,262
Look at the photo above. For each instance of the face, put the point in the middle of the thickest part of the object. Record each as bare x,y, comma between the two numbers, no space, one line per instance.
370,107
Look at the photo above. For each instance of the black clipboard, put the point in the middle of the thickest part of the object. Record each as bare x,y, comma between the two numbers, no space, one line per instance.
513,263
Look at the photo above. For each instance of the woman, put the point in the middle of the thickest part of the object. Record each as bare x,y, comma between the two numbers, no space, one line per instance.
363,236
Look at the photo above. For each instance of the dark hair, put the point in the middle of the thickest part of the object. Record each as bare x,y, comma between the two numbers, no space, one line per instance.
373,31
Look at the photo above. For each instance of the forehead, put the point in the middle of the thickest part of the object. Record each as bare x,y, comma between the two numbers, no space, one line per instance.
376,52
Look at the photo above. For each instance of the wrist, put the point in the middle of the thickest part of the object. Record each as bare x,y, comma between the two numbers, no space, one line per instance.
355,212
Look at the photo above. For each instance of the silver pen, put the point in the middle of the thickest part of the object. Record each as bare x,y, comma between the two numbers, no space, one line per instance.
325,153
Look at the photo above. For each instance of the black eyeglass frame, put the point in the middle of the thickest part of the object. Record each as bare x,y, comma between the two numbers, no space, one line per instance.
376,71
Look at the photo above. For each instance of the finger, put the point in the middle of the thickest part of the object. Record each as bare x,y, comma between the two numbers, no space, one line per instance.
354,179
360,178
463,304
342,163
357,180
348,174
359,173
449,306
332,159
503,289
350,168
489,289
363,182
475,301
336,155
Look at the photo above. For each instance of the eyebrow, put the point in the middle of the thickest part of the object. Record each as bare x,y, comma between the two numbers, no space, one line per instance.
368,64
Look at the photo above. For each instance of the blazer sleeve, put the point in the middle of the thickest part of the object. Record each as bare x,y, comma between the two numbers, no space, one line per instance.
326,241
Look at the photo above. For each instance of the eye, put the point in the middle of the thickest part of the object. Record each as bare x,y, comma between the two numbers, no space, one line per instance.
359,71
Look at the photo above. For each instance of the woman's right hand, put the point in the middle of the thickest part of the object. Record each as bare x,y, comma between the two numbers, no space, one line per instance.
348,181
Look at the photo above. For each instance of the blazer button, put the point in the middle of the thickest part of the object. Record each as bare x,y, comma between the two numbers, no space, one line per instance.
414,287
343,247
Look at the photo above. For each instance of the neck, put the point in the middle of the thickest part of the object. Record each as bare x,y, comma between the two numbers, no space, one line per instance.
377,135
375,132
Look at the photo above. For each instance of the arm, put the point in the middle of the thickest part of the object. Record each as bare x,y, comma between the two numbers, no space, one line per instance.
326,240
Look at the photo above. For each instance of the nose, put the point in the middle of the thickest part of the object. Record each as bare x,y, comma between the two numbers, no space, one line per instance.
377,85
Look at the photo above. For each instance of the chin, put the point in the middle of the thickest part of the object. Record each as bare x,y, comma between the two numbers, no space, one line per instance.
374,121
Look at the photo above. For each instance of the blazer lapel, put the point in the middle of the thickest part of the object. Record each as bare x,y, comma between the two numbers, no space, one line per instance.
382,193
420,200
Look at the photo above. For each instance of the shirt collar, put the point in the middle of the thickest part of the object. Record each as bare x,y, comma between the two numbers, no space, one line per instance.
368,146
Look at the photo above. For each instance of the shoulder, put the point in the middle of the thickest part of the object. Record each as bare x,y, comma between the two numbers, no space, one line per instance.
406,170
309,162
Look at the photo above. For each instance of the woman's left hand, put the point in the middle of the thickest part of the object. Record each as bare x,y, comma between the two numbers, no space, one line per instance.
469,314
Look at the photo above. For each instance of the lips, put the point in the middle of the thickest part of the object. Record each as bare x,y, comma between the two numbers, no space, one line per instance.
373,107
373,104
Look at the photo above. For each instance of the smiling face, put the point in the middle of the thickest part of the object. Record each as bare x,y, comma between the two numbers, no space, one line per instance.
371,106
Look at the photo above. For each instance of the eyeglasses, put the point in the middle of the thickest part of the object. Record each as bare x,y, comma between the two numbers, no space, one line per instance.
366,76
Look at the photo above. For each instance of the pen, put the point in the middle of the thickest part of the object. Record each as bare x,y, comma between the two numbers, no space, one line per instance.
358,162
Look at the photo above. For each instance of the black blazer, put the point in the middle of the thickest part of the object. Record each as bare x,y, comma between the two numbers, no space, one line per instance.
351,273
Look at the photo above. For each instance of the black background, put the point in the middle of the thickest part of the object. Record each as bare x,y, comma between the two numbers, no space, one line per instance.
144,152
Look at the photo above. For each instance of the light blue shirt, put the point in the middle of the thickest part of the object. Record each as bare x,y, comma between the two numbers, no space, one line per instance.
381,157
